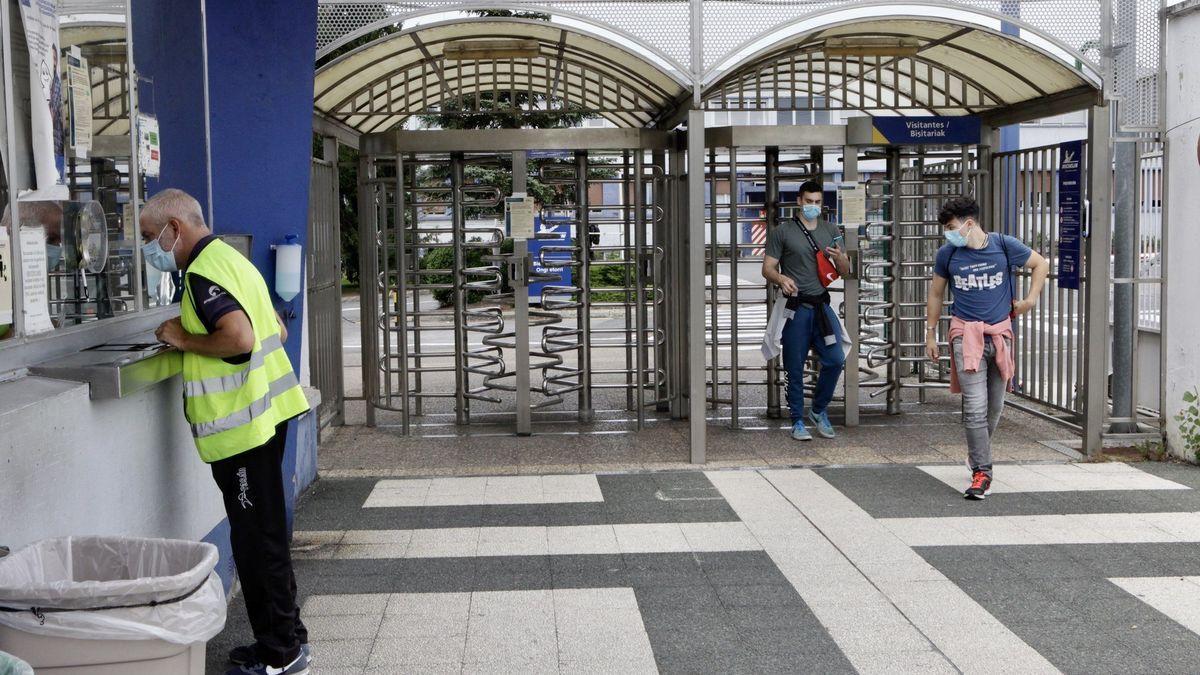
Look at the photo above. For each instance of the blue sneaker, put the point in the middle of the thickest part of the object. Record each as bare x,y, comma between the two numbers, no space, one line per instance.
799,432
824,428
297,667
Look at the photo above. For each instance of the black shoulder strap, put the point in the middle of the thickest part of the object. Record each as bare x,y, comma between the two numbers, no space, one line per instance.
807,235
1012,288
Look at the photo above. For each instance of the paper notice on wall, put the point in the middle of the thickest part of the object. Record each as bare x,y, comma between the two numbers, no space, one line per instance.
40,18
128,226
80,103
520,216
34,283
149,152
853,208
6,315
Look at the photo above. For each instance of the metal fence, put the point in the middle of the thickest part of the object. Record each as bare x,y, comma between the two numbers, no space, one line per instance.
1150,245
1049,339
324,291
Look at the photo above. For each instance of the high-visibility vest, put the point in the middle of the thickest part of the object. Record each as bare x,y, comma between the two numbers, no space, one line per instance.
234,408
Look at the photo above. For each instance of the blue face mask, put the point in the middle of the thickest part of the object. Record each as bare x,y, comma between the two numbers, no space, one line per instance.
956,237
157,257
810,211
53,255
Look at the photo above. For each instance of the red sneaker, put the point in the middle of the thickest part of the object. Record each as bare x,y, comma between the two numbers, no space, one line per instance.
981,485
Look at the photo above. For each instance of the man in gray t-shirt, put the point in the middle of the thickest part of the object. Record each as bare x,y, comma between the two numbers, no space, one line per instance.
791,263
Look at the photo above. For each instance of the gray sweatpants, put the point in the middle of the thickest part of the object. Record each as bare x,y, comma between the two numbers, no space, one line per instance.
982,402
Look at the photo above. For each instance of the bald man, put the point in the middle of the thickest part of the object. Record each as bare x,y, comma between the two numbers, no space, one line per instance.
240,392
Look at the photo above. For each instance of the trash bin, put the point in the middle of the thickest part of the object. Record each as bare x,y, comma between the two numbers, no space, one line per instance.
108,605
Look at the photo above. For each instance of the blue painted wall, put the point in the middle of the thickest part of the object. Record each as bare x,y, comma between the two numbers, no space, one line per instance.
260,84
168,51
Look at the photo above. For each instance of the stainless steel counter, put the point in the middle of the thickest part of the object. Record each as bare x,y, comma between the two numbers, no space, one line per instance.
116,369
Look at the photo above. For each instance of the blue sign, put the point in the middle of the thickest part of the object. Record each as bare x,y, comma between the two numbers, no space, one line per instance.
560,230
550,154
926,130
1070,223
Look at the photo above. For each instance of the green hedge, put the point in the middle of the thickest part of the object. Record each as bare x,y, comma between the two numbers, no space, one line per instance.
443,259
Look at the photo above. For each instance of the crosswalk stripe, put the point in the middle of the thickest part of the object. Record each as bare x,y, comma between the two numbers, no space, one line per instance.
1011,478
1177,597
1076,528
967,634
469,542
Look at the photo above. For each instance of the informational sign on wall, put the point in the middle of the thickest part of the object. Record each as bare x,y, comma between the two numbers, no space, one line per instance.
550,232
6,315
964,130
149,151
34,282
519,216
80,102
1070,201
40,18
852,203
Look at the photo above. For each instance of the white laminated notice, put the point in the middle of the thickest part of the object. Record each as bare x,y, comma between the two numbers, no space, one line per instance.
520,216
34,283
79,102
6,315
853,198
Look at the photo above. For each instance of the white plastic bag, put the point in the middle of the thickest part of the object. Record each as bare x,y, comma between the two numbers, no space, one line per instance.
113,588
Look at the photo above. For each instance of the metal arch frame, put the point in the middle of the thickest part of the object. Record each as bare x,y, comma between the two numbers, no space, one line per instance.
954,102
730,63
773,58
588,62
390,120
465,7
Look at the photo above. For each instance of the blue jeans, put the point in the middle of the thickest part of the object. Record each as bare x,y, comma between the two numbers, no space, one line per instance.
800,334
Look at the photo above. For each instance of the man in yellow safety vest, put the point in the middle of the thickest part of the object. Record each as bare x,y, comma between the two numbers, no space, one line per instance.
240,391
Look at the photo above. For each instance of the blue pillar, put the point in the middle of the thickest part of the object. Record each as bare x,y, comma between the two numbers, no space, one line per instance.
258,146
260,92
251,143
168,51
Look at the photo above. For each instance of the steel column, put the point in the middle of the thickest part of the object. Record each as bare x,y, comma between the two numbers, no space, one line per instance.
584,313
896,337
774,408
695,286
462,413
520,176
1098,251
401,327
639,222
368,275
850,376
734,239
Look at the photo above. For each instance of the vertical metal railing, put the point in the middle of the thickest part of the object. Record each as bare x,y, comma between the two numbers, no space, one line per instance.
1049,339
324,292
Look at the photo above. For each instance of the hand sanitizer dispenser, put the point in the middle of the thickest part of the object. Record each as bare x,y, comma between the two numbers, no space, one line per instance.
288,268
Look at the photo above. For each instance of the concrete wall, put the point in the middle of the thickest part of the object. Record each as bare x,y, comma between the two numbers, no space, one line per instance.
70,465
1182,88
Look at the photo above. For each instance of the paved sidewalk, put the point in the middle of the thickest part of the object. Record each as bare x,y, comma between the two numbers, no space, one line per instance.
1078,568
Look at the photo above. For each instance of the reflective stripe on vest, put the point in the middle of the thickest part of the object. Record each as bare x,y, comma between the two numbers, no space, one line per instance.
224,383
249,413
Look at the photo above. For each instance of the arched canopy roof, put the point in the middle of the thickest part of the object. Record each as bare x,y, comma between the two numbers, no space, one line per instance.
901,62
378,86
